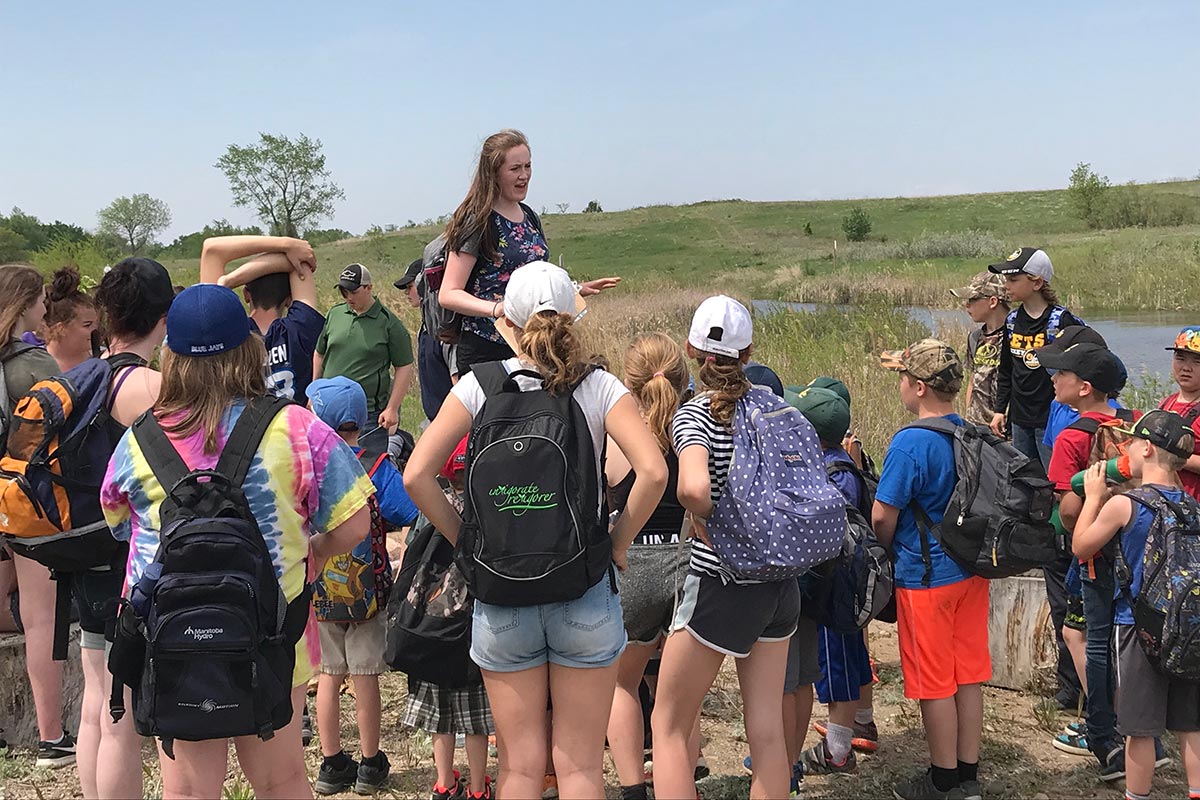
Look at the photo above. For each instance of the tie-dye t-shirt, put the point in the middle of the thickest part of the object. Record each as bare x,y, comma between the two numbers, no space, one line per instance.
303,479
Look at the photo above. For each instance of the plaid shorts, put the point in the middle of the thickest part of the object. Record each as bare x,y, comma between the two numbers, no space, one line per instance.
434,709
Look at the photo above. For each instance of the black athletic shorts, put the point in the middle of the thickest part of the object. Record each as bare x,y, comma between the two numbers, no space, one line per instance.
95,600
730,618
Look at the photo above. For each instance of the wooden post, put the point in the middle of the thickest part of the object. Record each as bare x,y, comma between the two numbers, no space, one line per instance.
1020,634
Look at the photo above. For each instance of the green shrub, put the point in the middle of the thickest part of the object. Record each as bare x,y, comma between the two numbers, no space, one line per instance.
857,224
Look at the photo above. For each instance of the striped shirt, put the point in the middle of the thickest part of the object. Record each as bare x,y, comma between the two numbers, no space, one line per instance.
694,425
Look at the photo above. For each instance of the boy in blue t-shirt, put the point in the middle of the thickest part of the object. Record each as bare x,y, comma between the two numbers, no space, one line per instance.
845,683
1150,701
942,611
282,295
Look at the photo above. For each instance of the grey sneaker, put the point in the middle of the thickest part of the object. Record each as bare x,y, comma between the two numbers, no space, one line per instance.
972,789
921,788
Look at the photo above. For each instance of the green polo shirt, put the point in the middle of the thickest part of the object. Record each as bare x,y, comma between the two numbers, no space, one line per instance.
364,347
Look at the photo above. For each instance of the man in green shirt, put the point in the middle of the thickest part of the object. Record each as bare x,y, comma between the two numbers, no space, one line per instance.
364,341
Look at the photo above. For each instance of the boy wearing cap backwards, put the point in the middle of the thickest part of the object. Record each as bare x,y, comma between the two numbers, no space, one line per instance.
354,648
1023,390
985,299
843,659
1185,368
942,610
282,296
1085,374
367,343
1150,701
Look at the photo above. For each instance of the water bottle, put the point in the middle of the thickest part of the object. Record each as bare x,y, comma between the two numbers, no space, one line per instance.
143,590
1116,470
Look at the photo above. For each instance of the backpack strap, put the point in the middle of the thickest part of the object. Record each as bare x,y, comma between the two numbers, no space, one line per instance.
370,461
62,616
492,377
242,444
925,528
935,424
1086,424
164,460
1190,412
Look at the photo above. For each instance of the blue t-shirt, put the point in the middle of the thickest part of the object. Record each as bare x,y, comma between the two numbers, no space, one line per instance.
290,342
846,482
1062,415
919,466
394,503
1133,547
762,375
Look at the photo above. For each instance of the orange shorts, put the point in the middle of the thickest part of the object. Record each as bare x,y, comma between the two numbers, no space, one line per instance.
943,638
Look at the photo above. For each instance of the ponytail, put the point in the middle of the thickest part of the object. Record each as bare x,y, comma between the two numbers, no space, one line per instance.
724,378
656,373
550,342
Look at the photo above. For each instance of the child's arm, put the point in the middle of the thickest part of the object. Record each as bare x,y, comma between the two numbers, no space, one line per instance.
302,288
1070,506
693,490
218,251
883,522
1102,514
1003,386
1192,464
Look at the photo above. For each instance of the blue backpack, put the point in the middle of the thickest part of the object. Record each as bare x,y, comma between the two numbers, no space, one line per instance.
779,515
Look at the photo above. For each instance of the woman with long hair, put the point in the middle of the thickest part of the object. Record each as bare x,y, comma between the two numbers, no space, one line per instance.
490,235
132,298
304,485
23,309
720,613
656,374
71,320
561,651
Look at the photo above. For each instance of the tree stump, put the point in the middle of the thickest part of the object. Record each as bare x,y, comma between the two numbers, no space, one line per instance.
1020,634
18,720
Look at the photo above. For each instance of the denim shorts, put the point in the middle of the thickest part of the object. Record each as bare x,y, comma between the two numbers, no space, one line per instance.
588,632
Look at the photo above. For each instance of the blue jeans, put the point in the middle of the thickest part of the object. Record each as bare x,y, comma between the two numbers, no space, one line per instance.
1098,608
1029,442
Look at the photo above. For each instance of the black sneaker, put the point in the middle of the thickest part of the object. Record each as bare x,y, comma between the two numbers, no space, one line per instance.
921,788
57,754
1114,765
333,779
455,792
372,776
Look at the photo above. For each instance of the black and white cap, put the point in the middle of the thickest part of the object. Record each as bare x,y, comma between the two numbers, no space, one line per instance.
354,276
1029,260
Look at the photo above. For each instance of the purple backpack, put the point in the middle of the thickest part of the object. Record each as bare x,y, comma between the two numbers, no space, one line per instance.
779,515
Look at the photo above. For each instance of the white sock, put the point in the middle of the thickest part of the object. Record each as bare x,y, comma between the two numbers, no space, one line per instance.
864,716
837,739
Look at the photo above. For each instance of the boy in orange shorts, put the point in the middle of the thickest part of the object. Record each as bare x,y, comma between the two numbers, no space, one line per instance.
941,609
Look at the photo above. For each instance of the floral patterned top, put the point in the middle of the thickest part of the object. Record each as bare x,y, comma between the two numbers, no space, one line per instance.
518,244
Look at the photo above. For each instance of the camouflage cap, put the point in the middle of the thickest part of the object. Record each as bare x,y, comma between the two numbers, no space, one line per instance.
983,284
929,360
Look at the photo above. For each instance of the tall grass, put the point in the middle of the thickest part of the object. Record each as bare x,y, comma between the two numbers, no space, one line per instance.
944,244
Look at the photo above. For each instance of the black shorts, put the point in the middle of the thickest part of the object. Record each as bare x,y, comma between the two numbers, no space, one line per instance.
474,349
96,594
731,618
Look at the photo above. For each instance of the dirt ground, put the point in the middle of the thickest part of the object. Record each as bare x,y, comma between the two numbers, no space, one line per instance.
1017,762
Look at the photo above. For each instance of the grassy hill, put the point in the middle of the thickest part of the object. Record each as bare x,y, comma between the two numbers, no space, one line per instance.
917,249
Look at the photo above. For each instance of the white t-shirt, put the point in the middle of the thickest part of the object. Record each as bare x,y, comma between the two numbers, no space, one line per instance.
597,395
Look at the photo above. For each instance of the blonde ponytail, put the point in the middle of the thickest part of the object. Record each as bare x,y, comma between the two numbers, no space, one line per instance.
656,373
550,342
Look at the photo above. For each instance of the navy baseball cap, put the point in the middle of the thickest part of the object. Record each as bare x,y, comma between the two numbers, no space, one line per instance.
206,320
338,401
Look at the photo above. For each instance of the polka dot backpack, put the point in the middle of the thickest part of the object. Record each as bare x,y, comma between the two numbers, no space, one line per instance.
779,515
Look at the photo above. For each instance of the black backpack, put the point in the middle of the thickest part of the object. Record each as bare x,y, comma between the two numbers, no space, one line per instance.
440,322
535,529
429,614
997,523
847,592
206,641
1166,612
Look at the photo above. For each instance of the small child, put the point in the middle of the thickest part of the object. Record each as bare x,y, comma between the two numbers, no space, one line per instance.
985,299
1150,701
444,713
845,664
940,603
355,648
1023,390
1185,368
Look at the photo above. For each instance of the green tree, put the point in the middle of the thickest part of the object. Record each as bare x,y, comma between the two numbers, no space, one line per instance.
593,207
857,224
13,246
136,220
1088,193
285,181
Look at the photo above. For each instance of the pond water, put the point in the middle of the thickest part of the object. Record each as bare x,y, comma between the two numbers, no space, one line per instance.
1139,338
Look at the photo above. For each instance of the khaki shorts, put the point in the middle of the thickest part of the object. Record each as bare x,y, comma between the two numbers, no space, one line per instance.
353,648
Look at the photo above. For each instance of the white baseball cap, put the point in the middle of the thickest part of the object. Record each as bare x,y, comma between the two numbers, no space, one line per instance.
1029,260
536,287
721,325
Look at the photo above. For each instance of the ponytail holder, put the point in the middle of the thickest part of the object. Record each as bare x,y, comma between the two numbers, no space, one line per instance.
658,374
711,359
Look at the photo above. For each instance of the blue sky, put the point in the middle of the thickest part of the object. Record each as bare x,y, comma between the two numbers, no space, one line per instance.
629,103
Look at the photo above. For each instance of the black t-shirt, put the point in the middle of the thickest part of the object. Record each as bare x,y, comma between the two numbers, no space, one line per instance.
1023,387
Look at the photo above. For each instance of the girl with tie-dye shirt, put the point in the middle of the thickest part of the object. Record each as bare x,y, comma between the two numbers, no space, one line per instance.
305,488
